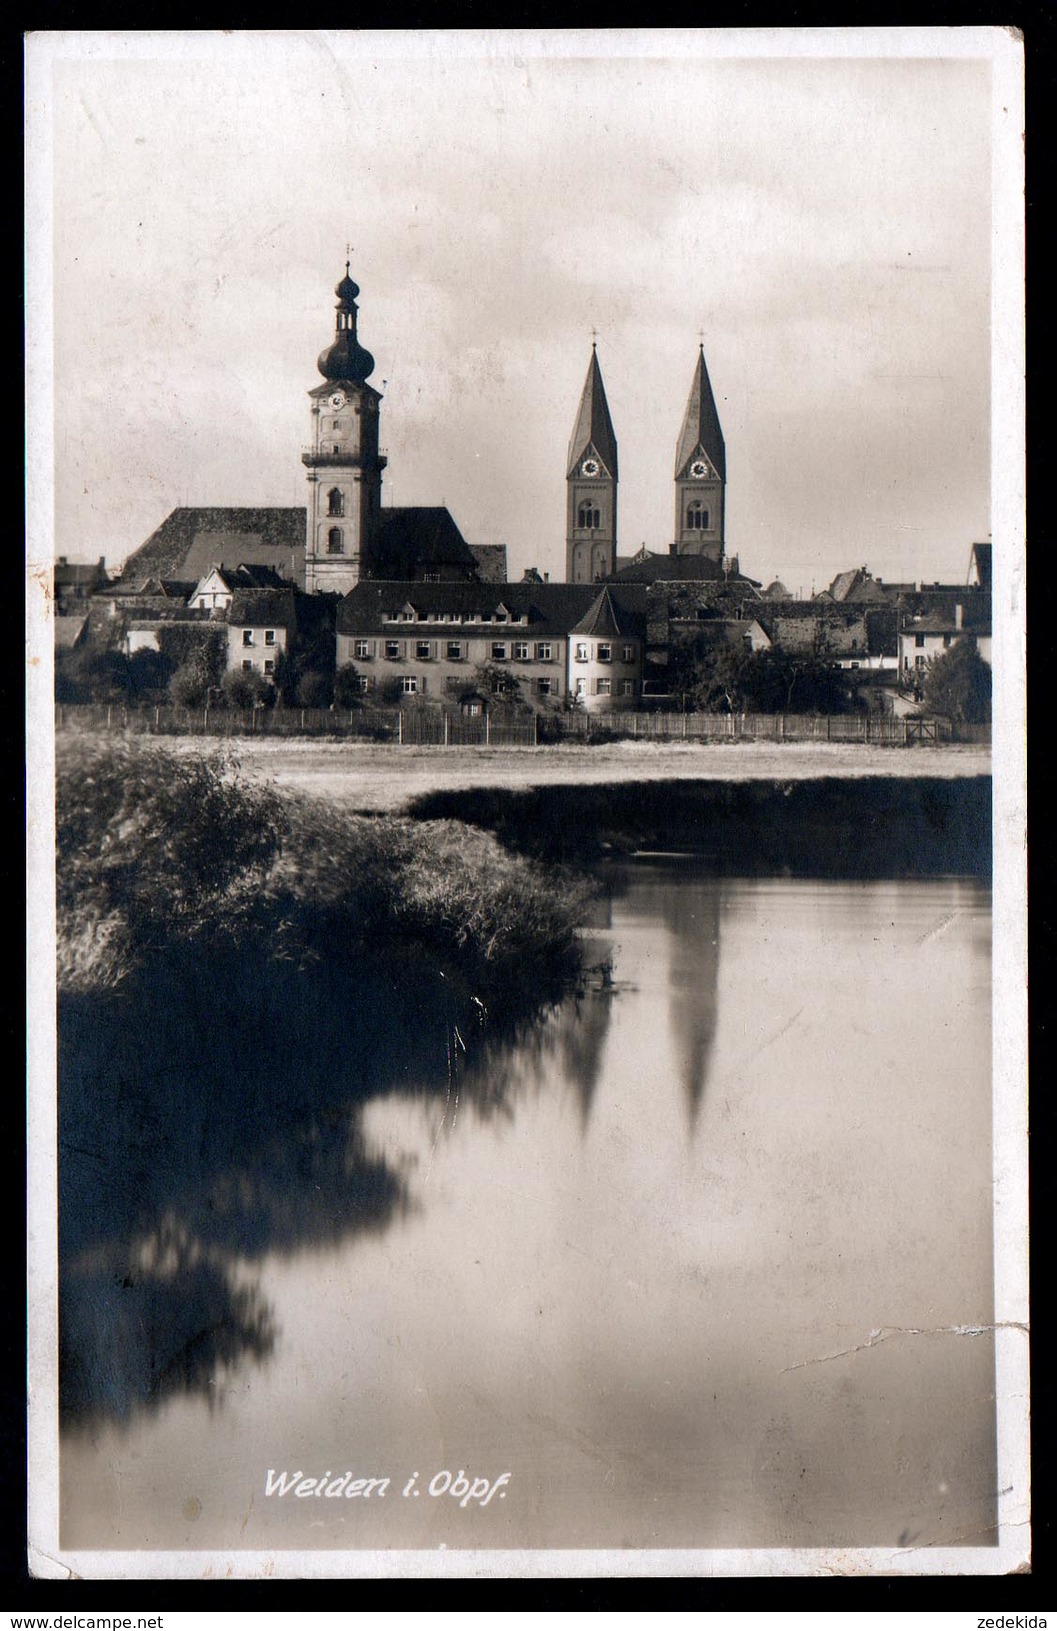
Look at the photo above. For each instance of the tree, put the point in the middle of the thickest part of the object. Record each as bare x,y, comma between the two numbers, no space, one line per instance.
197,654
958,684
148,674
499,683
723,677
91,675
347,692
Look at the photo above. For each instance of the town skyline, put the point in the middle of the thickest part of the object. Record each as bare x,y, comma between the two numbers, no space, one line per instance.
822,225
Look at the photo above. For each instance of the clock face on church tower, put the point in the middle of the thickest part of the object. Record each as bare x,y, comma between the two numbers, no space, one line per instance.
699,469
337,399
590,467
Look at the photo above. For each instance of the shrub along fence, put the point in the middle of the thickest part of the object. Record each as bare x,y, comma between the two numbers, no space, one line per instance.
428,727
881,729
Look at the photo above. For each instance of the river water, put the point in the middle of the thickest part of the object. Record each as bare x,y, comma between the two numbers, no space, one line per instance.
688,1264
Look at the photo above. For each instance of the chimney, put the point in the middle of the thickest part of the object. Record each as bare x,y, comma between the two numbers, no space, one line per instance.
958,615
61,560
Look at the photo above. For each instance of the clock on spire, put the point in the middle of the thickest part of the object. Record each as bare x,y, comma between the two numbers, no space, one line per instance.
342,462
591,484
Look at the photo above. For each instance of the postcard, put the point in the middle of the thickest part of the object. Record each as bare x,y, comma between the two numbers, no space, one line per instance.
527,803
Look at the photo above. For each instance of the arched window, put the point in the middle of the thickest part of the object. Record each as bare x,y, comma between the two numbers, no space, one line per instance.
588,516
697,517
334,542
335,502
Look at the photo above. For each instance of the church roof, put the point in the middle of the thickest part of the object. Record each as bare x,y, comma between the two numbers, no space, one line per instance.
600,619
593,428
191,540
701,428
657,567
416,536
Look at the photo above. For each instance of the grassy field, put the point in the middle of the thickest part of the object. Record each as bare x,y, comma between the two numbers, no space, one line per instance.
375,777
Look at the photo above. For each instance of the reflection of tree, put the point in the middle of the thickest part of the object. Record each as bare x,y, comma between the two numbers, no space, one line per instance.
691,914
208,1115
138,1327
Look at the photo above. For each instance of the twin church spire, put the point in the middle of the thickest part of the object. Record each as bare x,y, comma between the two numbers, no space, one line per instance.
344,466
591,479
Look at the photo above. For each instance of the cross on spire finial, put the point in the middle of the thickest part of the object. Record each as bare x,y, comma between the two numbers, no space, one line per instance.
594,339
701,338
348,255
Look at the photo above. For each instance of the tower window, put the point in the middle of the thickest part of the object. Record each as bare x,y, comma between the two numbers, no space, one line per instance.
334,542
697,517
335,502
588,516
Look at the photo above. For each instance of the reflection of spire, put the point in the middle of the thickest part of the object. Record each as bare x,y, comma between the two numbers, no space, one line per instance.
583,1025
691,915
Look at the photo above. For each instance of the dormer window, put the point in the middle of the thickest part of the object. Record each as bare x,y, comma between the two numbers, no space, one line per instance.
335,502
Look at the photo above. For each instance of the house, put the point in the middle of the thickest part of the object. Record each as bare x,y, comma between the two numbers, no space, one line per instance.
445,641
214,591
855,588
606,655
262,627
930,623
75,582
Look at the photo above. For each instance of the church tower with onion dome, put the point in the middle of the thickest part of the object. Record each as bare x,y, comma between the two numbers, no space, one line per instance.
591,486
342,461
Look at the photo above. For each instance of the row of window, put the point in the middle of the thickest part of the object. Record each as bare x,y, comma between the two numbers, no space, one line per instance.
453,617
414,684
919,640
248,640
588,518
500,651
697,517
269,666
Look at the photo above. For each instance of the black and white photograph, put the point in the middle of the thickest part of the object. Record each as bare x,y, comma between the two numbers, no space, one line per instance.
525,595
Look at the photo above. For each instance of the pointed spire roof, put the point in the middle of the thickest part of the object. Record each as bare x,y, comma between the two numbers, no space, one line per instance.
701,429
600,618
593,430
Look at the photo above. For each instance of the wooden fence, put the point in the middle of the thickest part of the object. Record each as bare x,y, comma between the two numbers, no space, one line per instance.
430,727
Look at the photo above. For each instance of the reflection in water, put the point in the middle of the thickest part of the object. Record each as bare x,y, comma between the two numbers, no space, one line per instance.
692,918
612,1256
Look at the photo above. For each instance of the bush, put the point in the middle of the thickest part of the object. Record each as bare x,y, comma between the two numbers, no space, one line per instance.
245,688
151,847
157,848
315,690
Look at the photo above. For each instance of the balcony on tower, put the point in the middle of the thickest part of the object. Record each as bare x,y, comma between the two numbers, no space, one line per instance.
334,453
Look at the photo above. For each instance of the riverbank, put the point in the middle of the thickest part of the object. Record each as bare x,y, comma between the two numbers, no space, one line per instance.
374,777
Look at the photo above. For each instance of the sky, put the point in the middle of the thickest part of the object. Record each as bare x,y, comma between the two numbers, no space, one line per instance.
825,224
